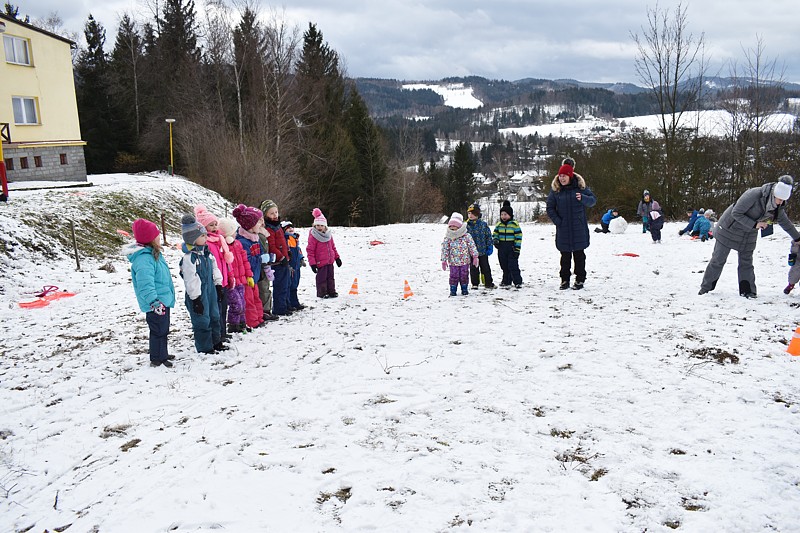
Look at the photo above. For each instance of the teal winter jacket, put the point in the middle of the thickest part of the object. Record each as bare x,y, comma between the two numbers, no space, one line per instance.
152,281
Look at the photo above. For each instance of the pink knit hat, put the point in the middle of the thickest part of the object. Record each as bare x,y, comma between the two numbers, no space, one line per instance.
144,231
203,216
247,217
456,219
319,218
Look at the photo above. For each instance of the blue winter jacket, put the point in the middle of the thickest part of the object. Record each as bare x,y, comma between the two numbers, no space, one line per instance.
253,250
702,226
482,235
569,214
608,217
152,281
692,219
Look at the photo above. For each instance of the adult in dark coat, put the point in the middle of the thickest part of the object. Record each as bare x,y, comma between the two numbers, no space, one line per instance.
758,208
566,207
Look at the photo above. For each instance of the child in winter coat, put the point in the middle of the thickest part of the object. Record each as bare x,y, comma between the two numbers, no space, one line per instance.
251,220
643,210
224,258
237,277
656,221
482,236
507,237
458,252
203,282
610,215
296,261
280,266
794,270
702,226
322,254
152,283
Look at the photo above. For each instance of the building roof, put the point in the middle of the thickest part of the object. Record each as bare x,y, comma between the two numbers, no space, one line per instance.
36,29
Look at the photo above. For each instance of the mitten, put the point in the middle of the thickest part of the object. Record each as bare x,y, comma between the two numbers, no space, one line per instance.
490,250
338,261
284,261
197,306
681,232
269,274
158,308
792,259
314,269
250,282
496,242
475,261
444,265
303,263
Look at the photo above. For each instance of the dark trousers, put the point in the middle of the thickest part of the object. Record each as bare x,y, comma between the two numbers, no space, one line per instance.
294,282
482,268
222,304
280,290
580,265
159,329
326,284
205,326
509,263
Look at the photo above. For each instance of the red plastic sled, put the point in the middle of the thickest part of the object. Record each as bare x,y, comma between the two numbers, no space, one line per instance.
628,254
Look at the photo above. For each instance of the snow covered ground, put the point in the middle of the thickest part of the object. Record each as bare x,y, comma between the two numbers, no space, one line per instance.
631,405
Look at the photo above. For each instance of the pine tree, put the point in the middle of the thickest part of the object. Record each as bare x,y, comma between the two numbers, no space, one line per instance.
461,179
126,63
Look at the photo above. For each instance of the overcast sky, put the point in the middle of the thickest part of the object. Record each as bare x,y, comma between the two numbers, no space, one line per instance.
587,40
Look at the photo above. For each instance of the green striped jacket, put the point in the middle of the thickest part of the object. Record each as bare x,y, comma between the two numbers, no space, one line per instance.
508,232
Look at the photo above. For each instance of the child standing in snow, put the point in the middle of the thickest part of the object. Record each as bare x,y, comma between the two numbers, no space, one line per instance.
237,276
322,254
482,236
794,270
458,252
296,261
203,281
152,283
224,258
280,267
656,221
507,238
251,220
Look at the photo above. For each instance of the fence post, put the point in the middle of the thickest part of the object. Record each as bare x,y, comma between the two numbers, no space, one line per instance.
163,230
75,244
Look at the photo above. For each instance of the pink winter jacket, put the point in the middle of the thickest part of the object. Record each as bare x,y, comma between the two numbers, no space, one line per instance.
320,253
241,266
216,250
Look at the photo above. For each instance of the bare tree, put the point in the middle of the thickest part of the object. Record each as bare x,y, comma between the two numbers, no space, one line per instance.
671,63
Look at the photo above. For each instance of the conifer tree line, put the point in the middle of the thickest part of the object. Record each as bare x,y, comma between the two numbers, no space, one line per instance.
262,111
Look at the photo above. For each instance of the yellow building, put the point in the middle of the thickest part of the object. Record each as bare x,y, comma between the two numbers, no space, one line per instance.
41,134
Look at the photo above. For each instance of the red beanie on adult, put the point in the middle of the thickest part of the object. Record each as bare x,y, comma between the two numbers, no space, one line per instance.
566,169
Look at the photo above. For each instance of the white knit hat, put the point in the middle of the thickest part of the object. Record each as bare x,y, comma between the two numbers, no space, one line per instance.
782,190
456,219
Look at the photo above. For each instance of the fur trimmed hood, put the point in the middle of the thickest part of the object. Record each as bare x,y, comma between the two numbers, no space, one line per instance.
556,185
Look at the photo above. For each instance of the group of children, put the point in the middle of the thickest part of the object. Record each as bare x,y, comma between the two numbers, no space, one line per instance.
466,249
238,273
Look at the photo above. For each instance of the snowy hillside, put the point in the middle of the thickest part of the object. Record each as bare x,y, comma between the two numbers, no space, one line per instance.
631,405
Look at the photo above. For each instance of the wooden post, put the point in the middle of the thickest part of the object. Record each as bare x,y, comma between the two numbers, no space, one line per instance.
75,244
163,230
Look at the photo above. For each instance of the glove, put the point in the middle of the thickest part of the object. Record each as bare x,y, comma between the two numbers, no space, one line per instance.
158,308
284,262
681,232
490,250
197,306
444,265
250,282
338,262
496,242
314,269
265,259
792,259
219,292
269,274
475,261
303,263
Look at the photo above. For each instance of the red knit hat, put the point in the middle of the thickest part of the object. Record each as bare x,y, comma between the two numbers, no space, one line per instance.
566,169
144,231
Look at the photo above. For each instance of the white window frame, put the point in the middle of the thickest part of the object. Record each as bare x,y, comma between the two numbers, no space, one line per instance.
16,47
22,111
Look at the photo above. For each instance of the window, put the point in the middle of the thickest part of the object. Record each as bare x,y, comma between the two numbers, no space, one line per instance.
16,50
63,158
24,110
37,160
23,162
9,164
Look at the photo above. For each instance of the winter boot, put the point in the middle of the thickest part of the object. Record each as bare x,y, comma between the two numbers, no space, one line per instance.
464,289
788,288
564,285
453,289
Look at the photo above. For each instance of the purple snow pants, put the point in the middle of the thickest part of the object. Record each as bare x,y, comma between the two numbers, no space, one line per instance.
236,305
459,274
326,284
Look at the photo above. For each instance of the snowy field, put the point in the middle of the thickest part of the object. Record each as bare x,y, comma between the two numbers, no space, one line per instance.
631,405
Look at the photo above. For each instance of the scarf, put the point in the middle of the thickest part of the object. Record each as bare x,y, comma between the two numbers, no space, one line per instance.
226,252
455,234
244,233
320,236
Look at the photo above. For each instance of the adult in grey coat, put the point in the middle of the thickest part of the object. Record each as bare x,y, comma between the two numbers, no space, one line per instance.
738,228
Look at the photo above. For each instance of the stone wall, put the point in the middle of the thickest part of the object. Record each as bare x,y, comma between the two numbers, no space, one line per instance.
52,168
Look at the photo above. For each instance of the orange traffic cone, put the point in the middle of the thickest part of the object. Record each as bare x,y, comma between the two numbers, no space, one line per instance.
354,287
794,345
407,291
